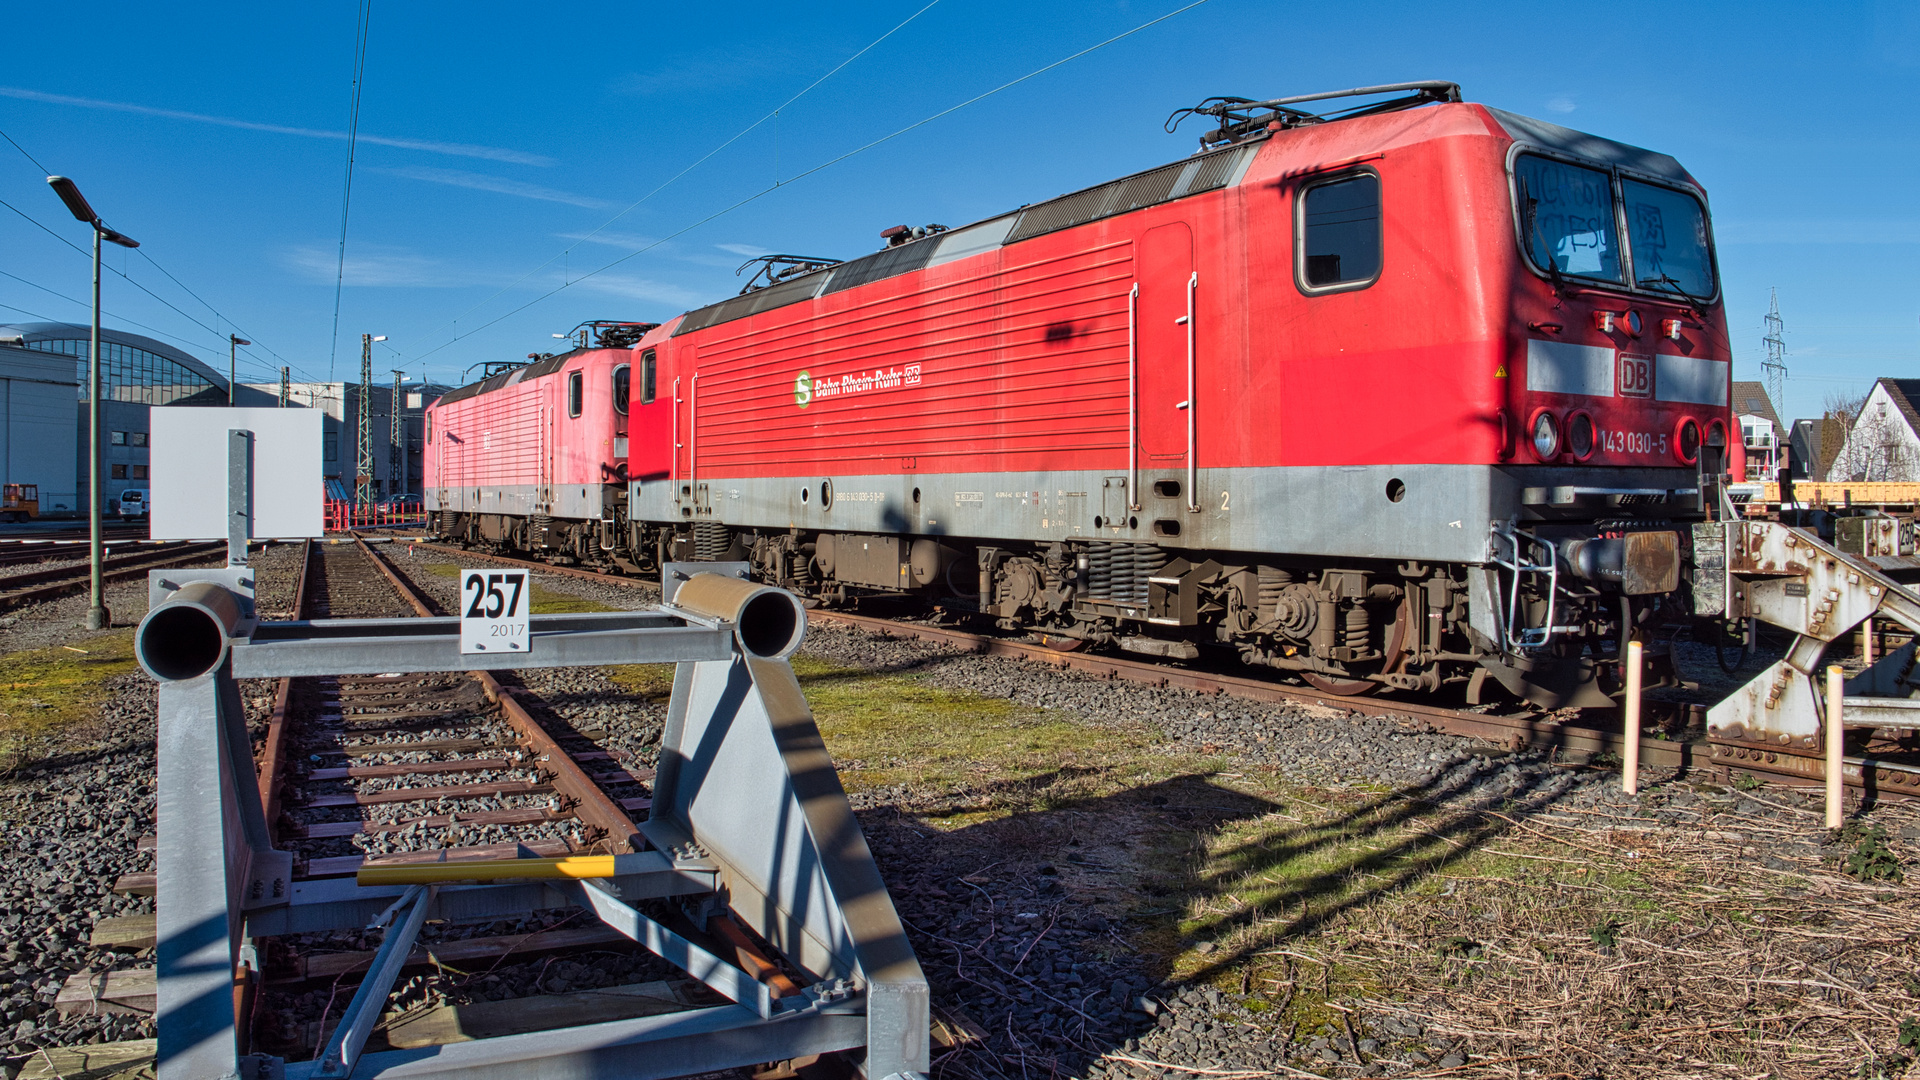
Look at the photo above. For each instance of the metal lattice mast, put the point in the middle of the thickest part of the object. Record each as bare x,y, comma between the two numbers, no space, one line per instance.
1775,365
396,442
363,495
286,385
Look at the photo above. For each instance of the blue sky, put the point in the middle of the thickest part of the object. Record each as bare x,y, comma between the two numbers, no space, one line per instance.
499,142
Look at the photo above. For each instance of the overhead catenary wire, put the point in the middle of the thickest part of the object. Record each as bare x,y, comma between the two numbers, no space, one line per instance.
669,181
121,319
778,184
144,253
346,196
129,280
23,153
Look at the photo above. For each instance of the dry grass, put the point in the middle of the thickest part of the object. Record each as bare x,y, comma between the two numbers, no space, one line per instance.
1566,943
1550,941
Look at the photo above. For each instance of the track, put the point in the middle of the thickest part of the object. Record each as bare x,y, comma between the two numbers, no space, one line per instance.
406,768
1586,734
114,531
371,749
16,589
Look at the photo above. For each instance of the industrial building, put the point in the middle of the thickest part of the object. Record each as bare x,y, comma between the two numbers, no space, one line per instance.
43,404
46,408
396,449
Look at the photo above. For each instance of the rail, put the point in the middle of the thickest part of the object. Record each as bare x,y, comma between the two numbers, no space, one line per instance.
747,822
35,585
1528,729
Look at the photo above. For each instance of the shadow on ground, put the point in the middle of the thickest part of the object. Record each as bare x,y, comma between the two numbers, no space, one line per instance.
1040,929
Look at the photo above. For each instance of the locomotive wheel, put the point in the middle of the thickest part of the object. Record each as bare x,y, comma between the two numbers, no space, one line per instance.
1396,659
1339,687
1062,644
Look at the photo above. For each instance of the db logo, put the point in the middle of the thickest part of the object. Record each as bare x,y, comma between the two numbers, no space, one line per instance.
1636,375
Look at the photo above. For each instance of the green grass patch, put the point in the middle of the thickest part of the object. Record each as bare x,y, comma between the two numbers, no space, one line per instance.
545,601
44,691
887,728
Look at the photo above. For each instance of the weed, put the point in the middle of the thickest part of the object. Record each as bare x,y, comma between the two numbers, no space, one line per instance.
1870,859
1910,1032
1748,782
1606,934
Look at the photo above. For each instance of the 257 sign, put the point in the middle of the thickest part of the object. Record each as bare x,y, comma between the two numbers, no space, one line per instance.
493,611
1636,376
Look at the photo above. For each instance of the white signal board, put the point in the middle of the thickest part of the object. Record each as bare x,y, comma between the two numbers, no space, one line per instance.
493,611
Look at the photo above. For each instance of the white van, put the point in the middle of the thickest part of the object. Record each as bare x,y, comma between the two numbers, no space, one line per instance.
133,504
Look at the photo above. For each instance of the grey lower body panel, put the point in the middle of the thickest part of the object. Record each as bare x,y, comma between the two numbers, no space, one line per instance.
1438,513
577,501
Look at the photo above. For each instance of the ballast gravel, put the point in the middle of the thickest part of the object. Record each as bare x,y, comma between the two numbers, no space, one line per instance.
1049,984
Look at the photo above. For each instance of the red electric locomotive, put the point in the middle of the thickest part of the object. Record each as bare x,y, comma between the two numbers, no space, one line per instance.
1418,393
534,457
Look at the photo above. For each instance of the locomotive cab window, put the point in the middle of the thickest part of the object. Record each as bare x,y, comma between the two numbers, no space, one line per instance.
622,386
1337,233
648,366
574,381
1566,218
1667,232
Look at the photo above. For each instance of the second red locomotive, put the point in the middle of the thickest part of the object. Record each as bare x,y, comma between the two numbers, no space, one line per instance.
1420,393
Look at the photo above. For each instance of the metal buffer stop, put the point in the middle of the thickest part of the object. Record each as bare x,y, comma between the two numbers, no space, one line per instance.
748,819
1790,578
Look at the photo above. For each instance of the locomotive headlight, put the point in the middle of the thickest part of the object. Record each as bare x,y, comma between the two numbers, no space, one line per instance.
1717,435
1580,435
1686,443
1546,436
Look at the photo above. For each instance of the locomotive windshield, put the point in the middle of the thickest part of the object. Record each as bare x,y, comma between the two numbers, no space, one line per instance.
1569,218
1668,232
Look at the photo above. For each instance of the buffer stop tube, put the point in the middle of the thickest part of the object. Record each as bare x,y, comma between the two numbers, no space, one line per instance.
186,637
769,623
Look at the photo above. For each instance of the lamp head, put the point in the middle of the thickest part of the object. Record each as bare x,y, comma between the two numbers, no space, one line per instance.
69,193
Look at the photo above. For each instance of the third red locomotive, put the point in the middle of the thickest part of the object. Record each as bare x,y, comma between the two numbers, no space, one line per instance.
1413,393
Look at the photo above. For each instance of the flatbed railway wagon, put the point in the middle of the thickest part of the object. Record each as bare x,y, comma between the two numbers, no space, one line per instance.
1418,393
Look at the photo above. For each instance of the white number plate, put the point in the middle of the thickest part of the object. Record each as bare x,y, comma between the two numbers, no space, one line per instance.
493,611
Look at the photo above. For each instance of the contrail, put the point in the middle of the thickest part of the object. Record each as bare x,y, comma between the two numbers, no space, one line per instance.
489,153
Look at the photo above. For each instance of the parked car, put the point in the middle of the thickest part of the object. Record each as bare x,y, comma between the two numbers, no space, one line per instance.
133,504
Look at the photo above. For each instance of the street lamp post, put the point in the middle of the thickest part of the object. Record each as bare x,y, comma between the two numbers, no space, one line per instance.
69,192
233,347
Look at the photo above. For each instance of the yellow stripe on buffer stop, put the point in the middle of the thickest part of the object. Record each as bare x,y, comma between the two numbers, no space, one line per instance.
571,867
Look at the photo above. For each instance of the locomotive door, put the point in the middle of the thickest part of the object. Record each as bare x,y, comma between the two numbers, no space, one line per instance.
1163,268
688,491
543,491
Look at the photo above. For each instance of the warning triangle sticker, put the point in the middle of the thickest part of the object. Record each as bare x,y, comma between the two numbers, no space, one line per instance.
1501,372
